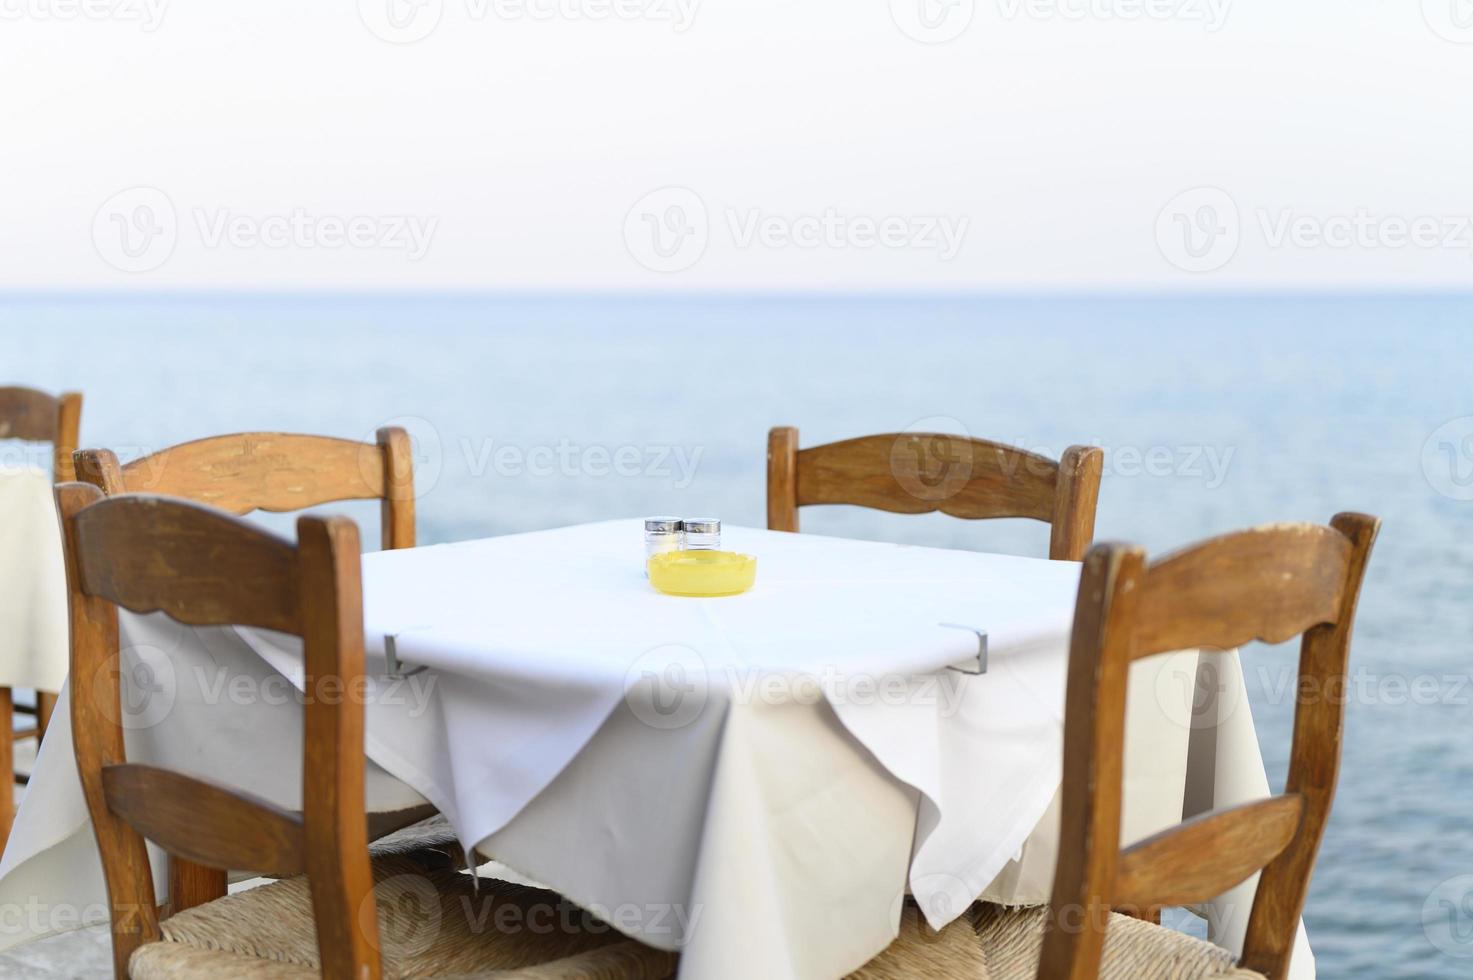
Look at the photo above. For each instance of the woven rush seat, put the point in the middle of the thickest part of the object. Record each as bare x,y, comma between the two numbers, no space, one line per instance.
431,836
1012,940
266,933
436,922
954,953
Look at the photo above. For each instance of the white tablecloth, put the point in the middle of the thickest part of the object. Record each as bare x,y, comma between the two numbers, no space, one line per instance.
754,780
33,616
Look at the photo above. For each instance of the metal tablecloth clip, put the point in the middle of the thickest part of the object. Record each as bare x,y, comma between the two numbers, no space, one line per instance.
968,666
391,654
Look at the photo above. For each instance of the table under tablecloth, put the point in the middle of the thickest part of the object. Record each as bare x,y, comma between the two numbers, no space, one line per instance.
754,780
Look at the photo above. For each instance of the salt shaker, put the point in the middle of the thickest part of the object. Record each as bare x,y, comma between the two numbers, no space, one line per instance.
662,534
702,534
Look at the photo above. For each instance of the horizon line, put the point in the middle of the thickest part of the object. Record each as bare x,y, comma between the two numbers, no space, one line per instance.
627,295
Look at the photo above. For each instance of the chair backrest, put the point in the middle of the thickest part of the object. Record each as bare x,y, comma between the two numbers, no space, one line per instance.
272,471
204,567
35,416
1271,584
921,472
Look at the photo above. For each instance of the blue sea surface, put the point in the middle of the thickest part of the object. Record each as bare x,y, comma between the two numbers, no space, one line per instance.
1216,412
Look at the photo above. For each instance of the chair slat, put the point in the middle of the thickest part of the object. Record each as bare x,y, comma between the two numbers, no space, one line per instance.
1202,858
926,472
206,823
916,473
1270,583
200,566
268,471
26,413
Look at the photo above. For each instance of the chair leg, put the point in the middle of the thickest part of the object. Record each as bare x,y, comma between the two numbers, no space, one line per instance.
45,705
193,884
7,763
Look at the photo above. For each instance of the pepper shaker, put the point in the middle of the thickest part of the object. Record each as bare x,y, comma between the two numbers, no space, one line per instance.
702,534
662,534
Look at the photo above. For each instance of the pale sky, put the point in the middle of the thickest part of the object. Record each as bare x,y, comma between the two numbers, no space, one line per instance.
736,144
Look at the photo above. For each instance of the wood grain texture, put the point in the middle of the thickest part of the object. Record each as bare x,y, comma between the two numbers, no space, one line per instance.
131,548
35,416
200,566
45,708
397,509
7,764
335,802
1208,855
782,479
100,468
1269,583
204,822
1314,763
28,414
1094,753
1259,583
1075,502
922,472
97,734
267,471
271,471
68,432
193,884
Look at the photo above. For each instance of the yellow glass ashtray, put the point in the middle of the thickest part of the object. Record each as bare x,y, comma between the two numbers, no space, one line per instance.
702,573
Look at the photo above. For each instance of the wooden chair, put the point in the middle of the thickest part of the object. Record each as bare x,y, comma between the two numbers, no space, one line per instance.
33,416
275,472
272,471
917,473
1270,584
203,567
